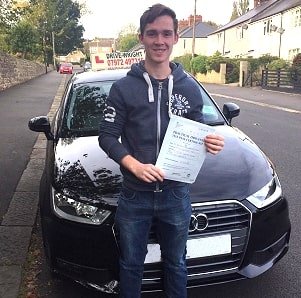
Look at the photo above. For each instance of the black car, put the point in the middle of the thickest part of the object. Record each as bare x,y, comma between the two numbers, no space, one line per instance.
240,223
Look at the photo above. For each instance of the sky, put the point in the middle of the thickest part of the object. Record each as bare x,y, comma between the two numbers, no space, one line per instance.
108,18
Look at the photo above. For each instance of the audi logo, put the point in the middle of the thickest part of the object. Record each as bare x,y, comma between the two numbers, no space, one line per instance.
198,222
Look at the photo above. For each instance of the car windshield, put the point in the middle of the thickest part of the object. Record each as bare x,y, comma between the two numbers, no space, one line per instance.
84,109
86,102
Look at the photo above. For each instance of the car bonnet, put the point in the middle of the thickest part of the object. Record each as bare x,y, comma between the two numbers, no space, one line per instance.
236,172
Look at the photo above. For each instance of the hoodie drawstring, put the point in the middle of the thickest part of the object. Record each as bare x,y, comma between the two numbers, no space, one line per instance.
150,87
151,91
170,88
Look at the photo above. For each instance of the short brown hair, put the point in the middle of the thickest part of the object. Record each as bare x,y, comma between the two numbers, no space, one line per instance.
157,10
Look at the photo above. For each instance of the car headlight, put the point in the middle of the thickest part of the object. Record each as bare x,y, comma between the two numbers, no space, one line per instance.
268,194
68,208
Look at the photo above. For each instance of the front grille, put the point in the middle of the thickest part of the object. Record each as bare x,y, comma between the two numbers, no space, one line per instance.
223,218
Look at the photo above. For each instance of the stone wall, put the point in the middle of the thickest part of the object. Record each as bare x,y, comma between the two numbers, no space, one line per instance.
14,70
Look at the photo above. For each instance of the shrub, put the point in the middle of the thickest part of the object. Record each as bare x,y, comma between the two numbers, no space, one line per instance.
297,61
295,71
199,64
185,61
214,62
278,64
265,60
232,71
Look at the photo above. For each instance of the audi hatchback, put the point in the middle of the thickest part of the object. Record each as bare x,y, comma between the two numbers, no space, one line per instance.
240,223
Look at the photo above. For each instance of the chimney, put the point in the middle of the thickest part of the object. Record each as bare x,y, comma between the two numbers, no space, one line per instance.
189,21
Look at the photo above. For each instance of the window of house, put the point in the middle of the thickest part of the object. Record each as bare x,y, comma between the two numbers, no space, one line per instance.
239,32
267,27
93,50
297,18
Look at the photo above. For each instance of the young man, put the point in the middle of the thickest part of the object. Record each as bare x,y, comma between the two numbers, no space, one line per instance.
138,111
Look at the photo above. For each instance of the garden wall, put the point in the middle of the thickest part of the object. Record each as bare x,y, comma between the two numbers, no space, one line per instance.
14,70
213,77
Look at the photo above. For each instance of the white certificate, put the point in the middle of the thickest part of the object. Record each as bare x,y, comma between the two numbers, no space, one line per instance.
183,150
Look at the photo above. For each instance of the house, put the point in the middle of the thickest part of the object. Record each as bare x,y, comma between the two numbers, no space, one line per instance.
273,27
73,57
184,44
99,45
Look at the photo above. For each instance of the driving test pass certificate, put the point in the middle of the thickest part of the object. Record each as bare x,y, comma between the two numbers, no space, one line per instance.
183,150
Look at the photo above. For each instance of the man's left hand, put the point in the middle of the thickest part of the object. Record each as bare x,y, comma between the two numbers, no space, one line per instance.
214,143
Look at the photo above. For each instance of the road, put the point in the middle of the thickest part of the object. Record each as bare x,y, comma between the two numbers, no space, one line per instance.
272,120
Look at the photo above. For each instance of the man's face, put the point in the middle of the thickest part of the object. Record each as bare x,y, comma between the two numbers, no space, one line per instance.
158,39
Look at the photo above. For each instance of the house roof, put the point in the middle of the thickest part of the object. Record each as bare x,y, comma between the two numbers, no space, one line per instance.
278,7
201,30
262,11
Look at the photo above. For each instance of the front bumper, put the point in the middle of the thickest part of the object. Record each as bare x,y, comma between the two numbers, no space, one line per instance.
89,254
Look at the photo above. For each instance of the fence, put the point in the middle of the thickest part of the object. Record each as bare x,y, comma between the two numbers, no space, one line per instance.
281,79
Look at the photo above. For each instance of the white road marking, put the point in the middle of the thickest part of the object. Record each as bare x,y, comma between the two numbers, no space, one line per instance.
258,103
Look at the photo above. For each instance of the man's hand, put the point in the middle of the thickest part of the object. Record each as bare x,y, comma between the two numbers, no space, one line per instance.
145,172
214,143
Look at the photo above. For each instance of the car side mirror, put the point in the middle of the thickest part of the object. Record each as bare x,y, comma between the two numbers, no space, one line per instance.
230,110
41,124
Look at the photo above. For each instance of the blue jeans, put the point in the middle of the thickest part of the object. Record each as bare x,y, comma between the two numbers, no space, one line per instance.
171,210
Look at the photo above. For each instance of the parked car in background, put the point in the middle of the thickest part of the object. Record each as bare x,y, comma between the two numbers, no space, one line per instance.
87,66
239,227
66,68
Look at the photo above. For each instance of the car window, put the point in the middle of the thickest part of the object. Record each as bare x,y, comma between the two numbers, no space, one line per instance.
211,114
85,107
86,103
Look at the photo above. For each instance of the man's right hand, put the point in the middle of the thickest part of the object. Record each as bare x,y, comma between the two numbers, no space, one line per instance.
145,172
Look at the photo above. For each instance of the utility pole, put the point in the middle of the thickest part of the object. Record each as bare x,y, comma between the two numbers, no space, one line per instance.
44,45
53,50
193,30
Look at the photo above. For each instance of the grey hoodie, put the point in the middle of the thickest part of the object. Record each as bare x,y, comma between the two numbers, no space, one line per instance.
138,110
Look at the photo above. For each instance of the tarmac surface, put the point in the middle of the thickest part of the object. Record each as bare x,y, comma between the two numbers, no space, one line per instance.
18,222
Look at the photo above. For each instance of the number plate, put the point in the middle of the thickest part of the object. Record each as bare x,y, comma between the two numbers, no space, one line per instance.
196,248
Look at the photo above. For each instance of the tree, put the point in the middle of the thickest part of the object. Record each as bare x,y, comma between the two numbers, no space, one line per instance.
58,19
63,20
44,19
24,39
127,38
9,16
240,7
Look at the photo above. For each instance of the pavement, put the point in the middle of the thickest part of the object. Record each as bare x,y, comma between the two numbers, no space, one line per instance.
19,220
